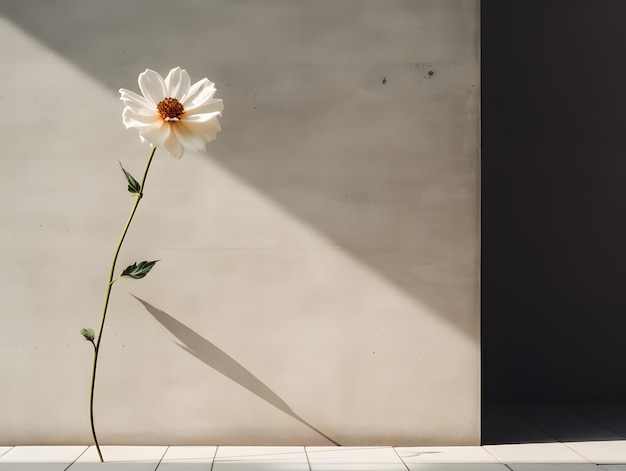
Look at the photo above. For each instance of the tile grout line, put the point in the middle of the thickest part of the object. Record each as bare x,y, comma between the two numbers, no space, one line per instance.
583,457
542,430
308,461
214,456
167,447
584,416
524,417
577,412
10,448
77,458
398,455
497,459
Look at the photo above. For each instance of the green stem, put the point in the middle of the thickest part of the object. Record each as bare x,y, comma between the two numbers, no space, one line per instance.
113,281
106,303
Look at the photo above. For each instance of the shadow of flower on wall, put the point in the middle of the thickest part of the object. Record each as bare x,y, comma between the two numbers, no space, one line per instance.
220,361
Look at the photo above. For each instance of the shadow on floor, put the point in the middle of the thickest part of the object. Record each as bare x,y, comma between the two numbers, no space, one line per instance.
551,423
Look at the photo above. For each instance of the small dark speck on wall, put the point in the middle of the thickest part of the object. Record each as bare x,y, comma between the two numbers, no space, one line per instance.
431,73
384,80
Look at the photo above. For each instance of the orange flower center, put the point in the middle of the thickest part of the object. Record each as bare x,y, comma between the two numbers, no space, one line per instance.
170,109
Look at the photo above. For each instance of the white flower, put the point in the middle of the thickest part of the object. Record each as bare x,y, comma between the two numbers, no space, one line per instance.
173,113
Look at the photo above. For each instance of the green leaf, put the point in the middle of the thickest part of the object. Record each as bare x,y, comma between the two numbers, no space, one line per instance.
133,185
89,334
138,270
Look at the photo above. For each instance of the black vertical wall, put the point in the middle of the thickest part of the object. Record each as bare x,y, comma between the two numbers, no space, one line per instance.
553,200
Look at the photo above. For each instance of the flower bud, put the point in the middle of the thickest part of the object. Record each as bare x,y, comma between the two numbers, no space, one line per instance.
88,334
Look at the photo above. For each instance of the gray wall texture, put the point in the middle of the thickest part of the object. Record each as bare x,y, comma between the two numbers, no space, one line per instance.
318,280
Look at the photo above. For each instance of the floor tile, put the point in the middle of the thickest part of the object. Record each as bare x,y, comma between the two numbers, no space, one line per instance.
188,458
253,458
612,467
611,416
40,458
564,424
457,467
535,453
501,424
553,467
611,452
121,458
354,459
445,454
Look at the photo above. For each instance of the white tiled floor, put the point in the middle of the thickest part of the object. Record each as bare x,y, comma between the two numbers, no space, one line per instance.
449,458
121,458
535,453
554,467
354,459
44,458
188,458
601,452
571,456
446,454
288,458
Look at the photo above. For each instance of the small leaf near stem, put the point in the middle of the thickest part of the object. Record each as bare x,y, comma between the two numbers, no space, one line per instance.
89,334
138,270
133,185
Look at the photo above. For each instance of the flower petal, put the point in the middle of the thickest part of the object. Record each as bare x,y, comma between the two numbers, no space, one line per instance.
174,147
177,83
133,119
208,130
203,96
142,110
201,117
157,134
210,106
132,99
189,138
196,89
152,86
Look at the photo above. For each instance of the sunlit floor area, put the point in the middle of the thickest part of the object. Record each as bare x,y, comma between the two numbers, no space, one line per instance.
577,456
537,437
530,437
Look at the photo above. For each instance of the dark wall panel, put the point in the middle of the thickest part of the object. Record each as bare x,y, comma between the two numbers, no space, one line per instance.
553,200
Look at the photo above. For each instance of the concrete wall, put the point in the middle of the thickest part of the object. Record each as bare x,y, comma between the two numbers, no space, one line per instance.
319,265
